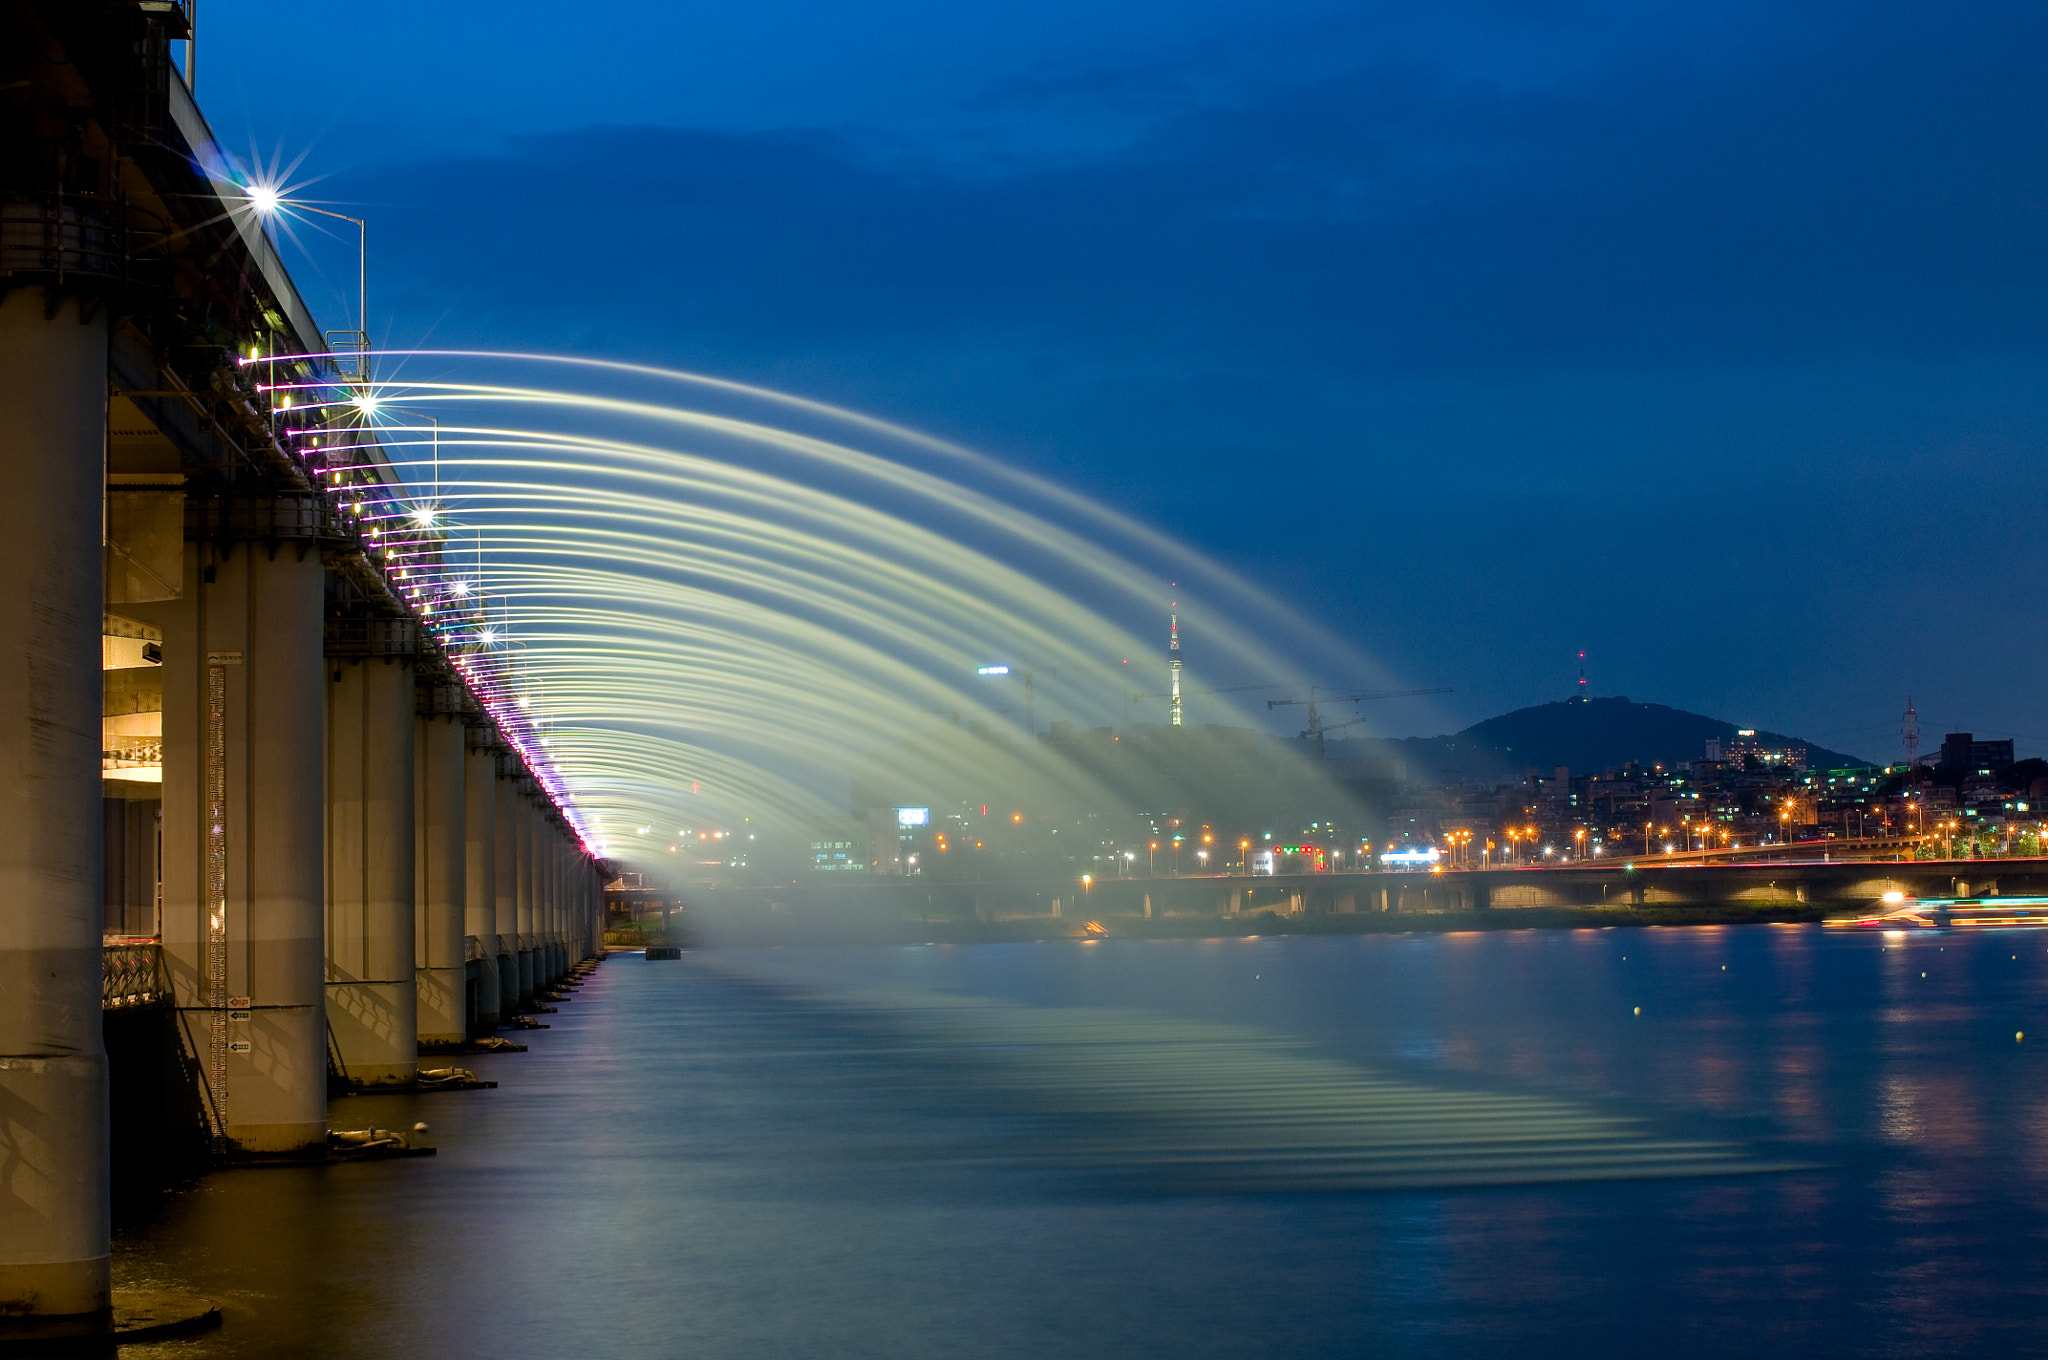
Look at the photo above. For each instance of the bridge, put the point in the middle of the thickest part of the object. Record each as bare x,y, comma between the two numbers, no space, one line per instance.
256,780
894,908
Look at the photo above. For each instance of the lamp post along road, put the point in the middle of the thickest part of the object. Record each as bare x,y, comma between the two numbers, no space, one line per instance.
269,203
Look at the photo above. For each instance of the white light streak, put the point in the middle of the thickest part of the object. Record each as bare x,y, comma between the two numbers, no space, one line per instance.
766,597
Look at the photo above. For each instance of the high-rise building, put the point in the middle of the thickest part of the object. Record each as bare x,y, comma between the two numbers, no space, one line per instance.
1962,751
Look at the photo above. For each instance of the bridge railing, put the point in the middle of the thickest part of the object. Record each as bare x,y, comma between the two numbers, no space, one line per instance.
133,974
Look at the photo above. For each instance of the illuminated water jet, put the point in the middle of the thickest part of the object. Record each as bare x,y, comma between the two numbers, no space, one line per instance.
723,616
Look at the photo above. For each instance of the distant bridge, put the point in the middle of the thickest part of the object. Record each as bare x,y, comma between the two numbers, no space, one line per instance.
835,906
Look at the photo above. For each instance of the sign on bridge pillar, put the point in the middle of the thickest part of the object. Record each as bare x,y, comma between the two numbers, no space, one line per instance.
53,1067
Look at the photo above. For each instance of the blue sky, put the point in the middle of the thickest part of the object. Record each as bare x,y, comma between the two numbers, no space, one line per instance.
1706,338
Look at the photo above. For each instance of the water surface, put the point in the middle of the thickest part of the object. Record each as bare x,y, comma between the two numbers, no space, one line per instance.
1681,1142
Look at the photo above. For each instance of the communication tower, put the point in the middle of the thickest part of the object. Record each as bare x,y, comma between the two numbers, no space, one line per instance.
1173,660
1909,731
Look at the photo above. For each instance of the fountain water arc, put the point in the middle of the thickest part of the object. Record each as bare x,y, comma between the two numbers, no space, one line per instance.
714,620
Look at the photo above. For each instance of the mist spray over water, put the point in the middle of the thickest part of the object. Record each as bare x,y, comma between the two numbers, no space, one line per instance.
718,606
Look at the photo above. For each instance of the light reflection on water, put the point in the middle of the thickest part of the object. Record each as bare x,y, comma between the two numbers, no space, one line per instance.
1125,1150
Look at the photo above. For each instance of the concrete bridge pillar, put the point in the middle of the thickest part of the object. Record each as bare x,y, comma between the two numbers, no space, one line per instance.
543,835
527,821
505,888
556,843
571,878
244,916
543,895
558,891
566,934
442,878
578,923
370,859
579,906
573,930
480,872
53,1069
546,903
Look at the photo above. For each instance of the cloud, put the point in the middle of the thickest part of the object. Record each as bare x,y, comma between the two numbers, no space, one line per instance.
1887,197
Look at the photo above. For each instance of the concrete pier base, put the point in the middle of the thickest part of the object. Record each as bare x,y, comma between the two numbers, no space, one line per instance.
488,1016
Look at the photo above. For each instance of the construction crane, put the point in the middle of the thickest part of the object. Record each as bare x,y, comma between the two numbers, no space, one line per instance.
1316,731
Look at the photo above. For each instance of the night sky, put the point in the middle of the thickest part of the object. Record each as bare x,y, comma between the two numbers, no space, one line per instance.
1708,339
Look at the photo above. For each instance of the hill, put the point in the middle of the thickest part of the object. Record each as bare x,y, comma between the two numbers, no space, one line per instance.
1588,735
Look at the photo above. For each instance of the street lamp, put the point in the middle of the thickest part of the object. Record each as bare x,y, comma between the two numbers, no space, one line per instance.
269,201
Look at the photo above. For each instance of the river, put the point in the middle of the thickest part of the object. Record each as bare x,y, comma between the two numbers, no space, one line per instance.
1704,1141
